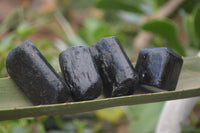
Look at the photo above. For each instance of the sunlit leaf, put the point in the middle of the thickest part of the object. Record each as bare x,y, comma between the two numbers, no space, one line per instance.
112,115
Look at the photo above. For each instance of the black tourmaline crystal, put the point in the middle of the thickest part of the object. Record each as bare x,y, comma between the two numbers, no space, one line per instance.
80,72
118,75
159,67
35,76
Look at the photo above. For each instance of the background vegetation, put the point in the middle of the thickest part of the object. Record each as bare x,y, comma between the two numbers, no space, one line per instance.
55,25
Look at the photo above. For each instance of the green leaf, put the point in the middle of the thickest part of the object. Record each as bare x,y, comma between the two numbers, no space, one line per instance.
189,28
94,29
145,114
14,104
190,129
197,20
118,5
167,30
113,115
19,129
25,30
6,43
80,126
188,5
156,4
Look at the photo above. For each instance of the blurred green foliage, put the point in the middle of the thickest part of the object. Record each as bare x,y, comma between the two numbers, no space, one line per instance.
196,20
143,118
128,5
192,27
26,125
190,30
91,20
166,29
112,115
94,29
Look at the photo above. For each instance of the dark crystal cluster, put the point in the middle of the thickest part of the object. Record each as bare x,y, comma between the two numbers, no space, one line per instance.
118,75
35,76
159,67
80,72
89,71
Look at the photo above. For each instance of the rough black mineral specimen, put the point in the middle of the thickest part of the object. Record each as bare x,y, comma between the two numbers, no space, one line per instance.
159,67
118,75
80,73
35,76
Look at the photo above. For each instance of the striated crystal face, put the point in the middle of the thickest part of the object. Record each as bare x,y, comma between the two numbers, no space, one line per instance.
81,73
118,75
159,67
35,76
89,70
